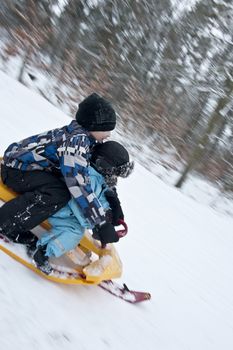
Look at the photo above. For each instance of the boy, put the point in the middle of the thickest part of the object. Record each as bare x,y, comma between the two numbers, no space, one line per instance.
109,160
47,169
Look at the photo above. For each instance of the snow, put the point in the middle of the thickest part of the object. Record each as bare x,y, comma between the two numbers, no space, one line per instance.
182,6
177,249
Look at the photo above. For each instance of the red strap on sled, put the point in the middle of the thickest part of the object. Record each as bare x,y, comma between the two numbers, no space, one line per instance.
121,233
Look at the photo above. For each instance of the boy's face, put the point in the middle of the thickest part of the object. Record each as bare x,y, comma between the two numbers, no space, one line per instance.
100,136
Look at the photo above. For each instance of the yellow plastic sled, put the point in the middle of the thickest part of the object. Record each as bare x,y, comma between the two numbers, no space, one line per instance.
105,263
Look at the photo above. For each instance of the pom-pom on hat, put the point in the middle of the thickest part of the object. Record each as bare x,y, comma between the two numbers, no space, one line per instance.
96,114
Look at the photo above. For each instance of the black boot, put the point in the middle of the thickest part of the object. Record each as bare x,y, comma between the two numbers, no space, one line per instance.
26,237
31,247
41,260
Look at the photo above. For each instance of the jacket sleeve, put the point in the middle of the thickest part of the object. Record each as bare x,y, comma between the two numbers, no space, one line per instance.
73,157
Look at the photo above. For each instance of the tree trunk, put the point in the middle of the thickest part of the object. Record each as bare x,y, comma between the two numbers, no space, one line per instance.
212,149
24,63
203,141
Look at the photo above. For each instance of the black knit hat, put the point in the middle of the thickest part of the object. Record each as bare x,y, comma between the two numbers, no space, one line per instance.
113,153
111,159
96,114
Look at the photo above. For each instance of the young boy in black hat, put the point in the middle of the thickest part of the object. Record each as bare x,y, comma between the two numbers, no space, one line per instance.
50,168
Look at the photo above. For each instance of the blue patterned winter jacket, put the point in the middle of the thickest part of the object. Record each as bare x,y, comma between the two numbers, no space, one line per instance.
69,224
66,150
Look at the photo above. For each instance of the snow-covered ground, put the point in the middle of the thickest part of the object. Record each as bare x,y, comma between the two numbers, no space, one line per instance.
177,249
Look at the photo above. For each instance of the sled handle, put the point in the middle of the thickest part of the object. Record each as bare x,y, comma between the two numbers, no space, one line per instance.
124,231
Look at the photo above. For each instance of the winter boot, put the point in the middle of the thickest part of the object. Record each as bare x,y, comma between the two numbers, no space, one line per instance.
26,237
41,260
31,247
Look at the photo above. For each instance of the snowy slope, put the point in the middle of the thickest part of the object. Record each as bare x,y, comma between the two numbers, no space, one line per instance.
176,249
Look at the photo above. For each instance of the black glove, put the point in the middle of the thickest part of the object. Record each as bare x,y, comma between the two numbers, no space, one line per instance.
108,216
115,205
105,233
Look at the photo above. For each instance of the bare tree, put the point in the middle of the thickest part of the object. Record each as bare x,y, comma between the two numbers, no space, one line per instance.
202,143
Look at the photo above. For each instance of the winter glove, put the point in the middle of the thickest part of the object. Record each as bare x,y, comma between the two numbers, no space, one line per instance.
108,216
115,205
105,233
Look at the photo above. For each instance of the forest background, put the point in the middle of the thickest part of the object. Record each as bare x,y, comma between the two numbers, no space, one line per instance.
166,65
